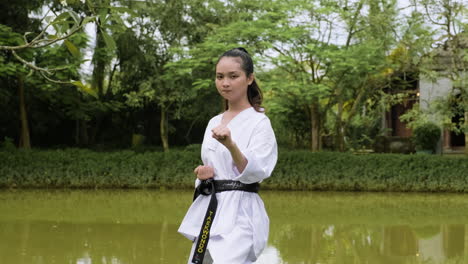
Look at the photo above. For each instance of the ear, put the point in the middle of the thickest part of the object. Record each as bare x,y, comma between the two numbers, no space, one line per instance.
251,78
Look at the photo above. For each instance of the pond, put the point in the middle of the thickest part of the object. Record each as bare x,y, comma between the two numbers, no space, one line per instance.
140,226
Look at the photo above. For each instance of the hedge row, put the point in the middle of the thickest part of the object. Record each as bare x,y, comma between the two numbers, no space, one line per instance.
295,170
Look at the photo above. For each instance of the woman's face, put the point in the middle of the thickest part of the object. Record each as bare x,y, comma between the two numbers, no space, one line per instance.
231,80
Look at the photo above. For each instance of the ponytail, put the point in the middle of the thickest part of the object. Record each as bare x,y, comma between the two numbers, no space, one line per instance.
254,94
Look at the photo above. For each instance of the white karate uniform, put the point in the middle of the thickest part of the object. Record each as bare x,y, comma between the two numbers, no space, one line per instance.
239,232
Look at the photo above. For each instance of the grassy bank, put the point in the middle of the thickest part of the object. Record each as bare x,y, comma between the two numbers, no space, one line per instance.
296,170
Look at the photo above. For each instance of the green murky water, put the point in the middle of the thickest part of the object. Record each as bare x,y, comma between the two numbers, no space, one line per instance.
117,227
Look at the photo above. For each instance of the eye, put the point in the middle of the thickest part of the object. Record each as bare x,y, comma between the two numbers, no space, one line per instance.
219,77
234,76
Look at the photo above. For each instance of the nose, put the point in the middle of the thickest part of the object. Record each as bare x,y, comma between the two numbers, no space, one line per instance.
225,82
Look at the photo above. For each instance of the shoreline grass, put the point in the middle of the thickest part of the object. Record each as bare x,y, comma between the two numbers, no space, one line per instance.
295,170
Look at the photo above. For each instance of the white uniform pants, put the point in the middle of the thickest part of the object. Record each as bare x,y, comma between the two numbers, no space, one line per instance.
234,248
238,255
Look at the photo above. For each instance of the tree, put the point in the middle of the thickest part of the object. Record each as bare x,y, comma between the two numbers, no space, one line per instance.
176,48
15,43
451,44
328,74
144,77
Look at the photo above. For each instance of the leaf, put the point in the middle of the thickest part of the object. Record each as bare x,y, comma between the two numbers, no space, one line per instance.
72,48
103,16
75,16
48,19
201,84
61,17
110,43
85,88
124,10
86,20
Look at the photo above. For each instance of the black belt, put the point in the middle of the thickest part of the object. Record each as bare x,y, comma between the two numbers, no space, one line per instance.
211,187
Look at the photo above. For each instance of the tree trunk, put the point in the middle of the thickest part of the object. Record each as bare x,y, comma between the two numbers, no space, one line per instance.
342,125
315,127
100,60
83,139
163,126
25,140
77,132
466,133
189,130
95,129
339,137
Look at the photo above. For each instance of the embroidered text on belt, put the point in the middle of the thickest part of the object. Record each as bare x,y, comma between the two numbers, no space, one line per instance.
210,187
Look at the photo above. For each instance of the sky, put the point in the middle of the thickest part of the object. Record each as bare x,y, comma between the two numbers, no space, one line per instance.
87,67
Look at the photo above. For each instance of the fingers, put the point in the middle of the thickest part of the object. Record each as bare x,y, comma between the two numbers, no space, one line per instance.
220,130
196,169
205,172
221,133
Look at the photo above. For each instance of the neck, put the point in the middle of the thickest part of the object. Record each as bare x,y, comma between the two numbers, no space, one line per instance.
238,106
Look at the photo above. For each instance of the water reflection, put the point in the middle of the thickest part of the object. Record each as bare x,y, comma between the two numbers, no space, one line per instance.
372,244
370,228
46,242
102,227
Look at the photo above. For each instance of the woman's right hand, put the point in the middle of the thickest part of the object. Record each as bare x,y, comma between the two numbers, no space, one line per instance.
204,172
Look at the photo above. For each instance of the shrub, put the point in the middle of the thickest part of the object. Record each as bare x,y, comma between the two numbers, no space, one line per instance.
426,136
295,170
8,145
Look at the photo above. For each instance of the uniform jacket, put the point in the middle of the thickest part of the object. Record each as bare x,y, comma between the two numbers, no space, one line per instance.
254,136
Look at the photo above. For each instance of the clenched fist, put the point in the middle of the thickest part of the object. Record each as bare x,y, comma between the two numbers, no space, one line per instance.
204,172
223,135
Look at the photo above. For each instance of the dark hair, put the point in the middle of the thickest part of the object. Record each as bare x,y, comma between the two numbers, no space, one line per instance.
254,94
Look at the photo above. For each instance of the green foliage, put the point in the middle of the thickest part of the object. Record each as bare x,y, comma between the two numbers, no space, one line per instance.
79,168
426,136
374,172
363,130
193,148
296,170
8,66
415,117
8,145
332,62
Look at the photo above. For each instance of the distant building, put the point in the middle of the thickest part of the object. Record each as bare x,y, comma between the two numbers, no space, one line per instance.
450,63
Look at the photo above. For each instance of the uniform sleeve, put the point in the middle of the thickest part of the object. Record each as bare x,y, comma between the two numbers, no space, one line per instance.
261,154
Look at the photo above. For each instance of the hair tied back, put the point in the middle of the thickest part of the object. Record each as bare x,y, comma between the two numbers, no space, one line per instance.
242,49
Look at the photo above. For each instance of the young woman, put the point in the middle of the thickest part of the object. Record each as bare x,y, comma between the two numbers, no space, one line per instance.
228,222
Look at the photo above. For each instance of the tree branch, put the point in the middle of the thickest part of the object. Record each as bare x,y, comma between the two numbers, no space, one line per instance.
34,43
30,65
52,80
426,8
43,71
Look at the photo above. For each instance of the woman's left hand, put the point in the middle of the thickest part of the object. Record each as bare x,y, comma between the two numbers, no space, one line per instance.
223,135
